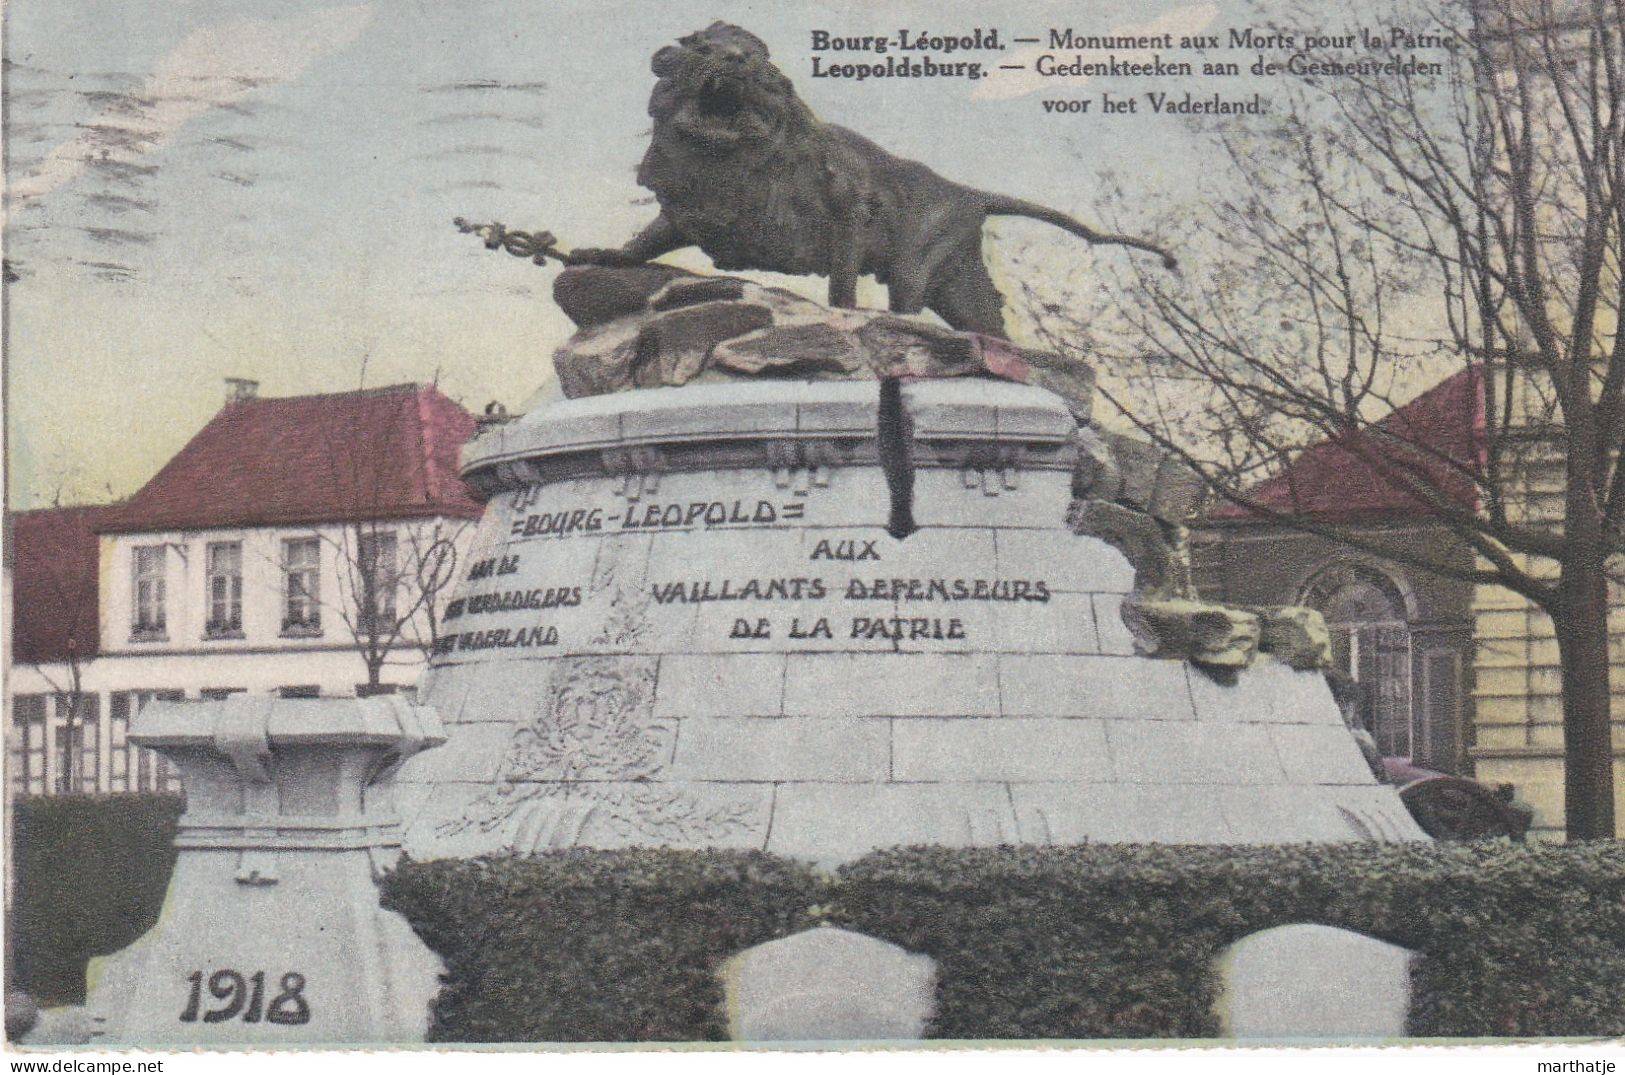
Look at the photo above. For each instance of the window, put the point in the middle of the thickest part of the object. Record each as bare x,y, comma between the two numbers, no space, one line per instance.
1440,703
62,761
166,778
375,555
25,746
305,691
220,694
225,582
301,564
129,767
1371,649
147,610
90,741
77,740
121,752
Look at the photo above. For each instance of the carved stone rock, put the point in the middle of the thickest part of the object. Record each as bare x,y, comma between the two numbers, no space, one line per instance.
792,351
1137,462
1206,634
1072,380
899,347
1179,494
1296,636
648,326
688,290
594,296
1134,534
1154,480
609,357
674,347
1097,476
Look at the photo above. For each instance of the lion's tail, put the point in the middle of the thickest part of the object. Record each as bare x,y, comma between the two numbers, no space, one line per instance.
999,205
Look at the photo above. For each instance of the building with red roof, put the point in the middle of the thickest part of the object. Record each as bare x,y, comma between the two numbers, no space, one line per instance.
298,546
378,453
1437,440
1402,637
53,560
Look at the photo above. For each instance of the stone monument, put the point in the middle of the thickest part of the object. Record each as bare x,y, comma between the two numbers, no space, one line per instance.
727,594
688,620
271,933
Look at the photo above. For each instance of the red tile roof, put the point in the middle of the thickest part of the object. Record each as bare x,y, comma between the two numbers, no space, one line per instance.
382,453
1352,477
54,577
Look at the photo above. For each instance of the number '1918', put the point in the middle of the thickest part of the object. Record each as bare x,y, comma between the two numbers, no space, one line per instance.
246,997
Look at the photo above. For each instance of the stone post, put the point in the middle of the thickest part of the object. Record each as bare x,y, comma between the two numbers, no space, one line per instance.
829,984
271,932
1310,982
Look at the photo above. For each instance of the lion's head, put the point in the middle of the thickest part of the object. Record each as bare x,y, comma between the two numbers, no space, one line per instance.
718,89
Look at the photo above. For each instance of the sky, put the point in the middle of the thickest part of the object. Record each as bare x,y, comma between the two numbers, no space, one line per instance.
202,189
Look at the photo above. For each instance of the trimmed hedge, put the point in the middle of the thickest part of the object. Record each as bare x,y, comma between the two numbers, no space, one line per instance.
595,945
1094,941
89,877
1103,941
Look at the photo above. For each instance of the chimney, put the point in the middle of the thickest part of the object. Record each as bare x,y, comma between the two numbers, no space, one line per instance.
241,389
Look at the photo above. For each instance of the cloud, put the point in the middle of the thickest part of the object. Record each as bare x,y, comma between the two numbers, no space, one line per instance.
469,184
212,68
445,118
472,151
120,172
117,236
108,270
484,85
118,204
1003,85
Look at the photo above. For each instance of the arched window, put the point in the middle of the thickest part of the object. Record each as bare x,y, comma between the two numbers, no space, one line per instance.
1371,647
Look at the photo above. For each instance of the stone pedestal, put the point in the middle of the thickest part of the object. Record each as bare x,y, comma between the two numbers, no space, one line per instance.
684,623
1309,982
271,933
828,984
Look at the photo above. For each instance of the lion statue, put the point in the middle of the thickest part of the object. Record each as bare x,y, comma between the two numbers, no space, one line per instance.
745,171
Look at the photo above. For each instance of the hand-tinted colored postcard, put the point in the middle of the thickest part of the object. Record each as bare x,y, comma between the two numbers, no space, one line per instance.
803,526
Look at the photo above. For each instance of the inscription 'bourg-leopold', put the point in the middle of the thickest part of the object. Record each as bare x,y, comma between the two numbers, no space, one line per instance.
685,516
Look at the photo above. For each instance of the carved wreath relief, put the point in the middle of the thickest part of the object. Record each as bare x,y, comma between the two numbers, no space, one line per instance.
567,766
596,723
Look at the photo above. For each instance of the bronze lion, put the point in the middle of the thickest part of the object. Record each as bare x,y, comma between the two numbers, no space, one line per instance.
745,171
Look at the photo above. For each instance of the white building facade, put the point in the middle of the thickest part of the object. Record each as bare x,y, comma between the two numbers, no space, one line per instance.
275,601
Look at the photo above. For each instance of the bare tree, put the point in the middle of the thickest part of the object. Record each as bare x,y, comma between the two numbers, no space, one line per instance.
1388,230
394,568
57,595
393,575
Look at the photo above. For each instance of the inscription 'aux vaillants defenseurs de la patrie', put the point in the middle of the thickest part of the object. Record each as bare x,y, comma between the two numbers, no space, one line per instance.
706,514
